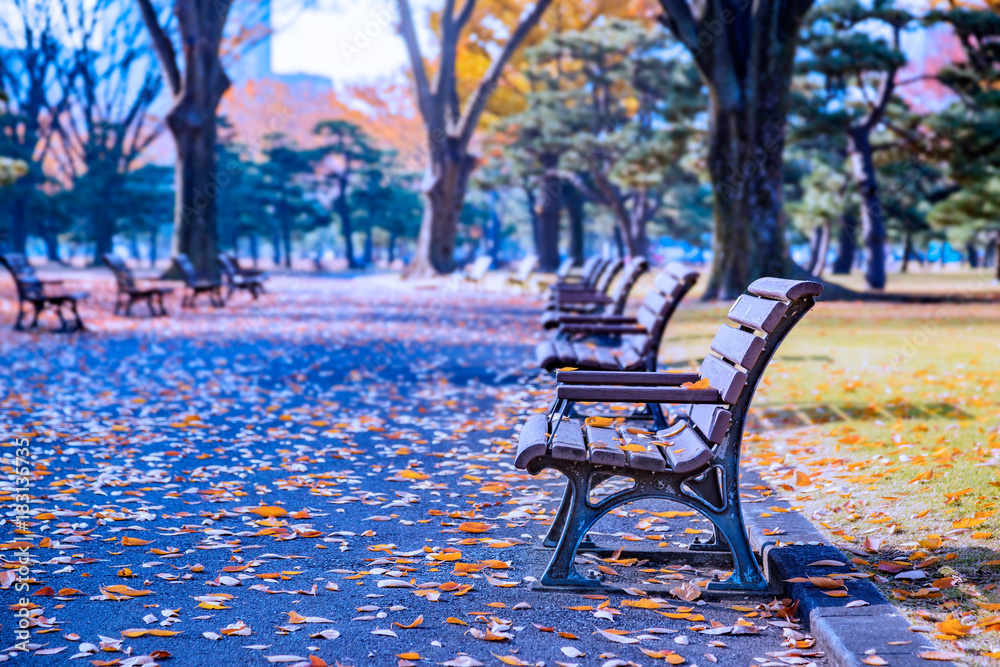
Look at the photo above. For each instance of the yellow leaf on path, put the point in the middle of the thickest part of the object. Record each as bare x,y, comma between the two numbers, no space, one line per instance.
122,589
413,474
931,542
135,542
474,527
686,591
269,511
447,555
953,627
455,621
409,656
642,604
802,479
941,655
874,660
417,621
510,660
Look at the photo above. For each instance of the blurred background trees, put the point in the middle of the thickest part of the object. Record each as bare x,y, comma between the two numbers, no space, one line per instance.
561,129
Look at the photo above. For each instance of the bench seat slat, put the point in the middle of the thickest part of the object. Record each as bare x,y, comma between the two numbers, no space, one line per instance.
651,458
686,451
567,444
739,346
756,313
607,452
727,379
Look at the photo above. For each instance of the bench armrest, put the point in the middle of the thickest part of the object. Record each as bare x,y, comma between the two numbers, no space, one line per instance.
597,319
608,394
51,281
636,379
571,287
581,297
601,329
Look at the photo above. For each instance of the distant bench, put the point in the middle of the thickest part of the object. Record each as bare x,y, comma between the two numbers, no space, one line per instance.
41,294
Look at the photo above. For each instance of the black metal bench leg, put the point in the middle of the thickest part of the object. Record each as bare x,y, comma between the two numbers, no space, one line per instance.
747,575
561,570
76,314
717,542
551,540
38,309
62,320
20,316
163,309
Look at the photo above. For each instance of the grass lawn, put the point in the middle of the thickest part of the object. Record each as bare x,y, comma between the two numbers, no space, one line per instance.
880,423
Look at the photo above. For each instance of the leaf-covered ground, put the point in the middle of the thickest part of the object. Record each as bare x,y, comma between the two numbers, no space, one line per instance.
326,477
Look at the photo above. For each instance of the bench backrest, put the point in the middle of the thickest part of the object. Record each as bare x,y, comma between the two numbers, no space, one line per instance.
763,316
28,284
669,288
186,268
619,297
229,267
526,268
587,270
565,267
610,272
123,275
480,267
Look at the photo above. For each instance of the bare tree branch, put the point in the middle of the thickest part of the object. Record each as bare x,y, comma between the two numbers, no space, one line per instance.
416,61
164,48
477,102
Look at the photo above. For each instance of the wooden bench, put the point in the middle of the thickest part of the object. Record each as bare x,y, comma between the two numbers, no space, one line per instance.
525,268
129,290
597,304
637,338
695,462
247,273
586,280
41,294
236,279
195,285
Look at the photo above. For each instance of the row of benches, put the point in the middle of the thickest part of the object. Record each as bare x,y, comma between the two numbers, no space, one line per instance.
41,294
690,454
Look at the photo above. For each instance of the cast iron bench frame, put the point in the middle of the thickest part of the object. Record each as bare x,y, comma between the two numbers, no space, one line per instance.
597,304
235,278
195,285
716,417
130,292
31,289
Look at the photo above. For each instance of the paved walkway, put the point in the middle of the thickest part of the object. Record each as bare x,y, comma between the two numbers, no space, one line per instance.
324,477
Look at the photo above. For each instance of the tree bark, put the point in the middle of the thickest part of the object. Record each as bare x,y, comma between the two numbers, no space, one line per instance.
847,245
819,247
343,209
574,203
495,228
449,129
907,251
745,54
196,93
872,212
549,208
973,254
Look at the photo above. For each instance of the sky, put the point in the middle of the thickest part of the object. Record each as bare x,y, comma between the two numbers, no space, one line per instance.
348,41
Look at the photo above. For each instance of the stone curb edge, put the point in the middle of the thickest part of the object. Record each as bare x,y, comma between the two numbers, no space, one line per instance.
843,633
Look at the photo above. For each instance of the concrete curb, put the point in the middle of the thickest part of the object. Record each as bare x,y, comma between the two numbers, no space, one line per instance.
843,633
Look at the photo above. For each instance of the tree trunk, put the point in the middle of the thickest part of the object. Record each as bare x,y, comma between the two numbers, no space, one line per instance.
872,212
973,253
619,241
18,239
392,247
346,228
192,123
749,234
549,208
907,251
847,245
819,247
276,245
573,200
639,246
496,228
51,244
253,249
154,239
286,239
445,186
